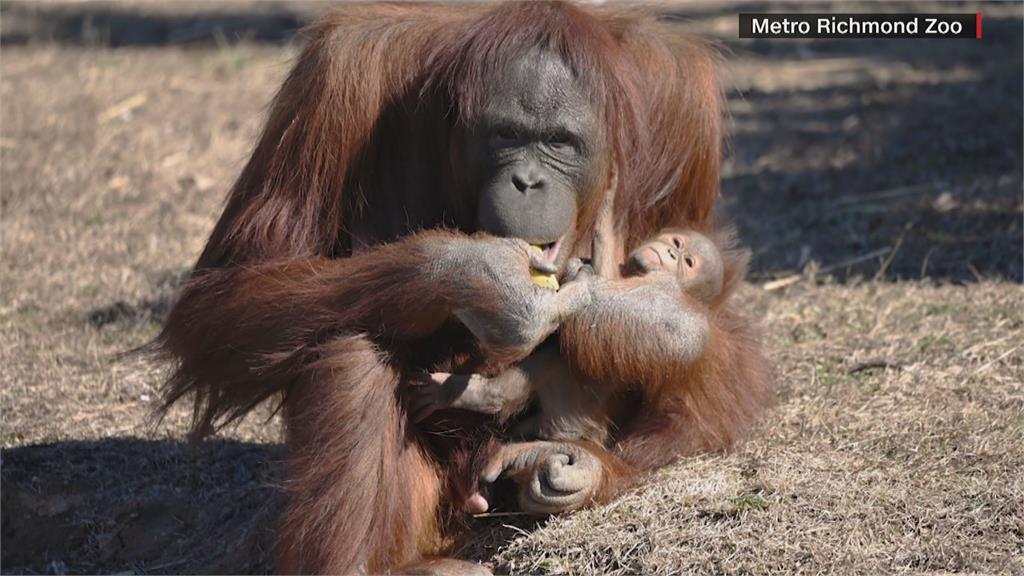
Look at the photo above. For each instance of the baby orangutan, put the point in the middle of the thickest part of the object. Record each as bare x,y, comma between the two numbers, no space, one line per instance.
677,264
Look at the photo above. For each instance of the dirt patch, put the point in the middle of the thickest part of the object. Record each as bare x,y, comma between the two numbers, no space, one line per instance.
881,181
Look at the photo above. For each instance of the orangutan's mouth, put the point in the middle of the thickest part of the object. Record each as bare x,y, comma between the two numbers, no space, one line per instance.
551,250
661,261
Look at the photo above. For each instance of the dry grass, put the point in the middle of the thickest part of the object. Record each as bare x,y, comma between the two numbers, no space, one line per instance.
897,446
105,208
898,440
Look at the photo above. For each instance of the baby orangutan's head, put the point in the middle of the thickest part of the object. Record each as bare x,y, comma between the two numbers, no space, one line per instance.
692,256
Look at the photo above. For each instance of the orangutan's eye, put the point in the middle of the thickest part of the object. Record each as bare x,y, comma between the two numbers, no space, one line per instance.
505,133
560,140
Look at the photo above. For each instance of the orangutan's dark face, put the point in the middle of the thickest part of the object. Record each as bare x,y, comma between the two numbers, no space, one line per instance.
536,154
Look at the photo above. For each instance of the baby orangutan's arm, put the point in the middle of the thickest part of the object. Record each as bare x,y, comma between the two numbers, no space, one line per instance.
641,329
501,395
571,408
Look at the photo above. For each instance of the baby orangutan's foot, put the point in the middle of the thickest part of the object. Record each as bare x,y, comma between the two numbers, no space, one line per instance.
476,504
551,476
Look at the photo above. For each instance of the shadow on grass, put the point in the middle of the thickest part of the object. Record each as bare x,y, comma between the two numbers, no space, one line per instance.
924,171
146,506
96,25
161,507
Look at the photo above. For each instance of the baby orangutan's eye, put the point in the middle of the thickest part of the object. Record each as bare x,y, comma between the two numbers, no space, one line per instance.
678,243
689,261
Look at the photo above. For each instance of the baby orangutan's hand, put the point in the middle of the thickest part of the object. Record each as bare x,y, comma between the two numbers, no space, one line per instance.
577,270
428,392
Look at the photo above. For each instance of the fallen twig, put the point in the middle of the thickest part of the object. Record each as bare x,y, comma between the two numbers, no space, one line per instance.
782,282
989,364
873,364
883,194
498,514
892,254
794,278
123,107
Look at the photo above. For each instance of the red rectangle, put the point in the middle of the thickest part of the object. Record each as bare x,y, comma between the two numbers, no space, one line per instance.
977,25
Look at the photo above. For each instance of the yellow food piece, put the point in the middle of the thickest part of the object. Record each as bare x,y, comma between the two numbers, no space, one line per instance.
543,280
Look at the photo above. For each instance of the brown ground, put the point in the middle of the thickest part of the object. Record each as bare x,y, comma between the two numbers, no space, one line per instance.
881,179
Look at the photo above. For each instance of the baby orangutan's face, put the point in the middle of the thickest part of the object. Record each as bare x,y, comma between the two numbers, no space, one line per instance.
691,255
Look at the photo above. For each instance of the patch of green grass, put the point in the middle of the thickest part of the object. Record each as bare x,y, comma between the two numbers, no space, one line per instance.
555,564
11,438
808,333
941,237
750,503
129,335
1009,312
25,317
938,309
626,513
929,342
869,383
976,505
231,60
27,312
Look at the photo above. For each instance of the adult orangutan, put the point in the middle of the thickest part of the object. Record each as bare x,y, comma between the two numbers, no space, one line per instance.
382,227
